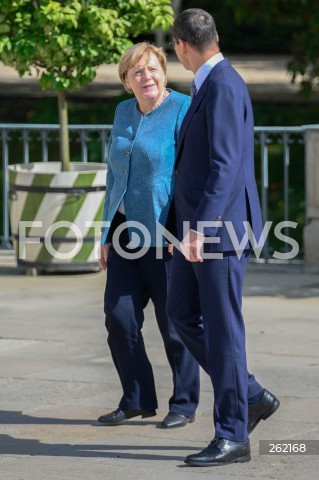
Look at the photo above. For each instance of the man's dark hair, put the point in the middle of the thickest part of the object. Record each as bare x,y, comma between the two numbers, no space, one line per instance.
197,27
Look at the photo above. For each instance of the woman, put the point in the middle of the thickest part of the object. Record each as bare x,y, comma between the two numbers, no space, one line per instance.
139,188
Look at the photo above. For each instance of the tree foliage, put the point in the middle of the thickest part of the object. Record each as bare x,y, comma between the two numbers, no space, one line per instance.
301,14
64,41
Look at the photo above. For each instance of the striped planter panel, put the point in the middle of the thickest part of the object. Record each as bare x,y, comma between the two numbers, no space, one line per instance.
63,203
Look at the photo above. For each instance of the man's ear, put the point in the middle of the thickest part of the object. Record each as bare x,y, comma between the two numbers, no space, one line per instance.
184,45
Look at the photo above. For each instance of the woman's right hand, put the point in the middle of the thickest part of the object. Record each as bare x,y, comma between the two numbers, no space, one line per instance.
103,253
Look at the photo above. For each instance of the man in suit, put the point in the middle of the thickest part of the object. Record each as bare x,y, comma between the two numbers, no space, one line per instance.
215,183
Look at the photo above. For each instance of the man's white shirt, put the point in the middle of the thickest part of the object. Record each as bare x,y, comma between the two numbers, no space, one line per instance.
203,71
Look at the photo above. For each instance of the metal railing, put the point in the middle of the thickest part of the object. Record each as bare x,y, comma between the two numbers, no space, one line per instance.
82,138
46,139
266,137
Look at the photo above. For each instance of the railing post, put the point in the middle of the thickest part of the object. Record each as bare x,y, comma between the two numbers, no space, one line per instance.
311,230
5,156
264,185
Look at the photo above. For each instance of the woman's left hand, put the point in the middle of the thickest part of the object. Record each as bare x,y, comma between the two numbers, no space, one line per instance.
103,254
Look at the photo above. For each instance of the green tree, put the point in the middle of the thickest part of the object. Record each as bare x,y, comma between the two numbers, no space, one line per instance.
303,15
63,42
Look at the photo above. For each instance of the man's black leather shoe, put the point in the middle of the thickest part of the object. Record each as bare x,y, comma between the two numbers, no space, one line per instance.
120,416
174,420
221,451
262,410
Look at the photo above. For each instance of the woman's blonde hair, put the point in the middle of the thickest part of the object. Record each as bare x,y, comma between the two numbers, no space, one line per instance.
134,54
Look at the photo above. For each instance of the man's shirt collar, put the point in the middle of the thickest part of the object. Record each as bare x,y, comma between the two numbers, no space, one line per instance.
203,71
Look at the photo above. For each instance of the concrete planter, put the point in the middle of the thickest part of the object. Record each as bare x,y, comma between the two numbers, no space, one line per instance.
50,215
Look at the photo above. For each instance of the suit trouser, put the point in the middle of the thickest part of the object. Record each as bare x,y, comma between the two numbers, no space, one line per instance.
204,304
130,285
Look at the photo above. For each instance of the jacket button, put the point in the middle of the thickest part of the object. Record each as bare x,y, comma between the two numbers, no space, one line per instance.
127,154
218,218
176,172
126,170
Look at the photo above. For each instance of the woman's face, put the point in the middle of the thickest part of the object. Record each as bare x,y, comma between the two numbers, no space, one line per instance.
146,79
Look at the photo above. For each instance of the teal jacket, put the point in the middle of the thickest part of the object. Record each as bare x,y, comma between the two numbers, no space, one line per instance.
141,163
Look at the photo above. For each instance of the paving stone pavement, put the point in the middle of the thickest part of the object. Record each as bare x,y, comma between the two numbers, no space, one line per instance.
57,377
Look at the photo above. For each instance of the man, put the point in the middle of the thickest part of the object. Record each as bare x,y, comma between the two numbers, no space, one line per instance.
215,183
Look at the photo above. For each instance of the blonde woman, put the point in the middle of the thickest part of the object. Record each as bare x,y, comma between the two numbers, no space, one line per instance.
139,188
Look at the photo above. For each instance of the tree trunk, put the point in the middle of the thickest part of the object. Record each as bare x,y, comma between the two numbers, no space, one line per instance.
177,5
64,132
160,36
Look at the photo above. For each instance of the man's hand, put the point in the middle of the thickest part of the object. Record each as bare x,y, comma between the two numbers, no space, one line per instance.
103,253
191,246
171,248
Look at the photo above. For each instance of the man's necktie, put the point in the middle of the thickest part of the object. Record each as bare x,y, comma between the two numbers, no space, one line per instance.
193,90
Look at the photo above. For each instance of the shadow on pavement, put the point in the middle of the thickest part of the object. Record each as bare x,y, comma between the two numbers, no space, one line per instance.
18,446
11,417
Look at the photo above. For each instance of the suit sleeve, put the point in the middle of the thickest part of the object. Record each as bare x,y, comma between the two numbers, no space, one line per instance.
225,129
171,217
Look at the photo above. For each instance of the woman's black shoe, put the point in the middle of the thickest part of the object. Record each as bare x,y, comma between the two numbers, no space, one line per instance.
120,416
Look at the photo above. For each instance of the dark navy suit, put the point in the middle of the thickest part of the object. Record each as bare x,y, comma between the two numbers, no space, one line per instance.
215,182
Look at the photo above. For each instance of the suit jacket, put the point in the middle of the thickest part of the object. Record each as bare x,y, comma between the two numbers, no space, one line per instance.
214,172
141,163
